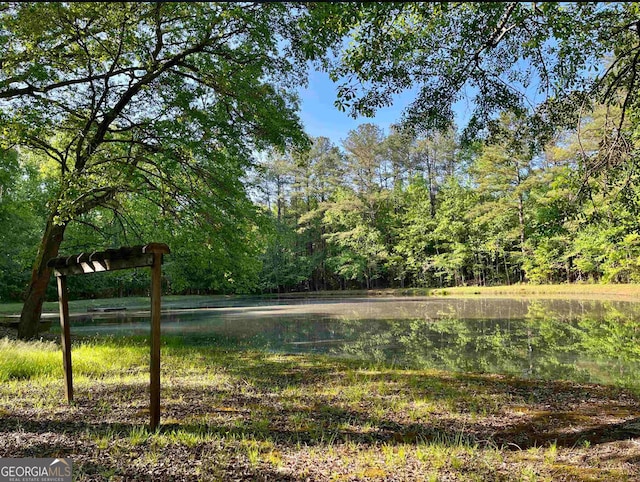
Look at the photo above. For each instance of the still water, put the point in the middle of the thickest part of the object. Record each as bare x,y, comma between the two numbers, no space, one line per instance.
579,340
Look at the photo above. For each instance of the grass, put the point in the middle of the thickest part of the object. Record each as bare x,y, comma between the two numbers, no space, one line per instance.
583,290
580,290
250,415
31,360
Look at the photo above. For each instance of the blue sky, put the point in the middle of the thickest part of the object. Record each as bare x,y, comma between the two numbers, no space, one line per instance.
321,118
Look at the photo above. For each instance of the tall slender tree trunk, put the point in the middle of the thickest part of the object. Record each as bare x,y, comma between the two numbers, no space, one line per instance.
523,276
521,222
432,189
506,267
32,308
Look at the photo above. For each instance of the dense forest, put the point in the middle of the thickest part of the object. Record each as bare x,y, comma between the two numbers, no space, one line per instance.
179,123
396,211
379,210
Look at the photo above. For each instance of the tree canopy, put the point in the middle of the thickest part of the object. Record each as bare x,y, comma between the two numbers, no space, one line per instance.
165,101
130,121
547,58
153,99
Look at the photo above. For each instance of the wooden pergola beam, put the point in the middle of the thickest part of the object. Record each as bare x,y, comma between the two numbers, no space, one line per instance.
149,255
109,260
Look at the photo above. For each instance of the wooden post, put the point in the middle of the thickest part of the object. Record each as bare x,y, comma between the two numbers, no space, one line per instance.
156,281
109,260
65,335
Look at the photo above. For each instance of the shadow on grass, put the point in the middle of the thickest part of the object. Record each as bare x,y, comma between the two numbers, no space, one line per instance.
177,463
217,402
572,414
122,459
560,412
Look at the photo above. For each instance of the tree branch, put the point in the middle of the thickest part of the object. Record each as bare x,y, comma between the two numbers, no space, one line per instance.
32,89
149,77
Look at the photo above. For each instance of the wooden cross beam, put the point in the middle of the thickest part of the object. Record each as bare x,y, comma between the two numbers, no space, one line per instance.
109,260
112,259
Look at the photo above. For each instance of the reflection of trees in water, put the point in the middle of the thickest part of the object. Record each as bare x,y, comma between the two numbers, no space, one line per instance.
560,339
594,341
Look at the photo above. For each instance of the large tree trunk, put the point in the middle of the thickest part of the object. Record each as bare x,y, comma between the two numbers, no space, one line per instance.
32,308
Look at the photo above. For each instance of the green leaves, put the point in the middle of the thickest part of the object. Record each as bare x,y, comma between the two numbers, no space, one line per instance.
505,55
158,107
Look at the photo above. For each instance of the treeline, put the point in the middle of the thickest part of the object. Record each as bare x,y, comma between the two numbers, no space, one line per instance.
393,210
379,210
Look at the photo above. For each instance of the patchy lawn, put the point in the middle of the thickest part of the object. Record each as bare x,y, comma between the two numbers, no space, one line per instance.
246,415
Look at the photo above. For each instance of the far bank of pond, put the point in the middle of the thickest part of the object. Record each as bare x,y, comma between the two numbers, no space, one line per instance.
629,292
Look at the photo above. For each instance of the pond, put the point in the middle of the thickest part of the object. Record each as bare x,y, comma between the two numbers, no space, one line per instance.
579,340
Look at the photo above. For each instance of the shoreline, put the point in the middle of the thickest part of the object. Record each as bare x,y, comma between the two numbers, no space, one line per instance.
609,292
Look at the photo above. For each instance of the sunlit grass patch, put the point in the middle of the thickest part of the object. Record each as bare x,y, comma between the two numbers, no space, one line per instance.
188,436
258,450
138,435
33,360
102,439
93,359
25,360
394,455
